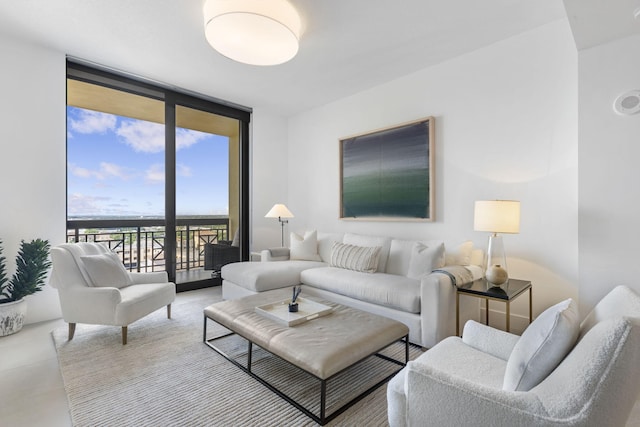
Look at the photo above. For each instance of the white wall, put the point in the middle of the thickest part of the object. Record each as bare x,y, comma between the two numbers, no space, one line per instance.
32,137
609,172
506,128
268,176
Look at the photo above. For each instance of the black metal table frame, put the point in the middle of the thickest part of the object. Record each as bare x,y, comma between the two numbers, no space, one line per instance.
321,419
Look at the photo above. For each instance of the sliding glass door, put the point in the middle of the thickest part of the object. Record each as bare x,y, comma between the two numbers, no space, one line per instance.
154,173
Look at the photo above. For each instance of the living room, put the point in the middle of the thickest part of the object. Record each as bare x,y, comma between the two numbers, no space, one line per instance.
528,117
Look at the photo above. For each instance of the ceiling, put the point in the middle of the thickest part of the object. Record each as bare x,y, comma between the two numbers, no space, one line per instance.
347,46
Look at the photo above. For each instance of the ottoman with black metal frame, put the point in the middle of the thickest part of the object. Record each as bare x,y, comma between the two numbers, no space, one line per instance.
323,347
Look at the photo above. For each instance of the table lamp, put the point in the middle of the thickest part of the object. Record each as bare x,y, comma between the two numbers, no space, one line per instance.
280,211
496,216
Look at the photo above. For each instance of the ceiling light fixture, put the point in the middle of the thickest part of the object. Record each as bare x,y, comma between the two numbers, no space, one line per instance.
256,32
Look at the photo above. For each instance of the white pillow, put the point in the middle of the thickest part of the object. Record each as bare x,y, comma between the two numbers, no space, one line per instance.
358,258
542,346
371,241
425,259
460,255
305,248
106,270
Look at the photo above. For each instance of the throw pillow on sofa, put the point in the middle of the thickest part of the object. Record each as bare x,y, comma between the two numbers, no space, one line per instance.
425,259
358,258
542,346
459,255
304,248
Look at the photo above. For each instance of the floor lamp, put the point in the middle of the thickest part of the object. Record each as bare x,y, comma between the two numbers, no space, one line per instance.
496,216
280,211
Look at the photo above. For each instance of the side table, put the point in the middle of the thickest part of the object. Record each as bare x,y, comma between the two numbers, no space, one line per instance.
506,293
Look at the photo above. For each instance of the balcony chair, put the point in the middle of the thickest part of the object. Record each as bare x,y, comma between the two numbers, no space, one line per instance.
493,378
216,255
95,288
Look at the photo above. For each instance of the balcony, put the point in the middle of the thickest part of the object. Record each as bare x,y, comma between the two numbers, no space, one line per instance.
140,242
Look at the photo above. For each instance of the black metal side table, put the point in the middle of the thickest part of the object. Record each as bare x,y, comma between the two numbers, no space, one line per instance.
505,293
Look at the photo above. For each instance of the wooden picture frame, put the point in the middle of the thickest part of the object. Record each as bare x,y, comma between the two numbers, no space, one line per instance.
388,174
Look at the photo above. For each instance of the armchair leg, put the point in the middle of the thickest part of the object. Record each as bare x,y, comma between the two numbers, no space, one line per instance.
169,311
72,330
124,335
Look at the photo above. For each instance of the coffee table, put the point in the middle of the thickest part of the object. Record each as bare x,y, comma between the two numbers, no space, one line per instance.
323,347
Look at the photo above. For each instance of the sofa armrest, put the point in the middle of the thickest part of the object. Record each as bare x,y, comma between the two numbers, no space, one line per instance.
489,340
152,277
274,254
89,305
435,397
437,308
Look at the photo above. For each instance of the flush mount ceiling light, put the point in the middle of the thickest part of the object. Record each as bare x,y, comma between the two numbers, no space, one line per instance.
256,32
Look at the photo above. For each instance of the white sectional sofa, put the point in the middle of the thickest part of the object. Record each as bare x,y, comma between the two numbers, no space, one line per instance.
402,287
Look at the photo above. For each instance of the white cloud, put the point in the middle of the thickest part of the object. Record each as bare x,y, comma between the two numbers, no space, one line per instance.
183,170
155,174
187,137
80,204
107,170
89,121
146,137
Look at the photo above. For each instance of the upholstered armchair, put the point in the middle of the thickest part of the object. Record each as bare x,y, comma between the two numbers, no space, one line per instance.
493,378
95,288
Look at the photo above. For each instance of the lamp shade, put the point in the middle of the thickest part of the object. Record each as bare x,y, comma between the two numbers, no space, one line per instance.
497,216
279,211
256,32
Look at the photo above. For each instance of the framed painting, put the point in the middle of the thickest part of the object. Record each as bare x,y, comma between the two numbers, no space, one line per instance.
387,174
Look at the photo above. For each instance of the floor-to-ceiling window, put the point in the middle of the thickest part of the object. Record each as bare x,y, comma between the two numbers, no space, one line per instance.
154,173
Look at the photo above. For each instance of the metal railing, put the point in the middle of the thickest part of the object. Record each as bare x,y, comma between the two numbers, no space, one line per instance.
141,242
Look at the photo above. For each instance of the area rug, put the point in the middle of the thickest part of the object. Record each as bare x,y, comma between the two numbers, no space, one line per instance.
166,376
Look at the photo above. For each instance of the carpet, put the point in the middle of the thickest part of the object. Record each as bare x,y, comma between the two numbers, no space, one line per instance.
166,376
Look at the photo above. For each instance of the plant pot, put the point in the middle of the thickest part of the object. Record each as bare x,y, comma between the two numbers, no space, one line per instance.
12,316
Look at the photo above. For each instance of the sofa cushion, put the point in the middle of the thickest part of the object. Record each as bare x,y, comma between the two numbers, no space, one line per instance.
400,255
305,247
371,241
459,255
425,259
542,346
325,243
390,290
106,270
264,276
357,258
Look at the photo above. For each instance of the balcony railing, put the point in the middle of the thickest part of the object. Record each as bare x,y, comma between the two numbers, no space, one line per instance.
141,242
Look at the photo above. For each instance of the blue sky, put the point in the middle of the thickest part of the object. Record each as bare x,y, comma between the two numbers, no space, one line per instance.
115,167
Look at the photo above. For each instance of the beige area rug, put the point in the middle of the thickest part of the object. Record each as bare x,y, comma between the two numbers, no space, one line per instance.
166,376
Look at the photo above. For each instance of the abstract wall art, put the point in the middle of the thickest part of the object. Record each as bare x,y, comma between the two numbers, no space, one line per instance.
387,174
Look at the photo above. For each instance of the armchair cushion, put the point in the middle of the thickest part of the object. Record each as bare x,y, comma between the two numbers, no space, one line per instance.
542,346
106,270
489,340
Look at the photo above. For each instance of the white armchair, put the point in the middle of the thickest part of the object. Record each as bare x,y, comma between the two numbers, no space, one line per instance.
95,288
463,382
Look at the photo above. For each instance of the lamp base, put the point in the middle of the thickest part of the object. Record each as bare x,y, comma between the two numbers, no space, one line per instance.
496,275
495,261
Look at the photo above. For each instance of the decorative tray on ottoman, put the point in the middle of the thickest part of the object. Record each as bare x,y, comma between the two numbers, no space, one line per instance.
307,310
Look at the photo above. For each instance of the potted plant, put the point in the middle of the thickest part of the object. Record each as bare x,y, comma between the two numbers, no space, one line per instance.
32,264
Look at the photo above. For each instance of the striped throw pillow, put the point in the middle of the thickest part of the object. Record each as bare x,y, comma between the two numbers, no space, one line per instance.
357,258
